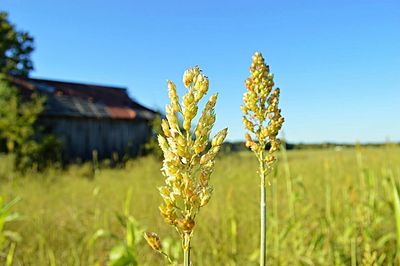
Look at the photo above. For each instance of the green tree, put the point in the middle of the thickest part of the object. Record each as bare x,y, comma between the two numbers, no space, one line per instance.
15,48
17,116
152,147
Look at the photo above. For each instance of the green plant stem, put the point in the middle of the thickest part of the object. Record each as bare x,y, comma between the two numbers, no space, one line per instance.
396,204
186,250
263,212
10,256
167,257
353,252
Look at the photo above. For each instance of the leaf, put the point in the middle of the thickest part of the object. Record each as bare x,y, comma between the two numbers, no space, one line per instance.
13,236
117,252
121,219
98,234
12,217
380,243
396,203
120,256
130,234
6,207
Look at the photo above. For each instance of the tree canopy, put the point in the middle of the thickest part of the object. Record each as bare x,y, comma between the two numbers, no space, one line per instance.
17,117
15,48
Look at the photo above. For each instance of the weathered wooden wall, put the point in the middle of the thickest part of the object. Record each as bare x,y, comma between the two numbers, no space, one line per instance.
81,136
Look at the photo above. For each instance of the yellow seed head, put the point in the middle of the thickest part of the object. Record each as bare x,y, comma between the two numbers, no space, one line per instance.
172,119
248,124
185,224
173,96
219,138
187,78
165,128
153,240
187,164
261,114
205,197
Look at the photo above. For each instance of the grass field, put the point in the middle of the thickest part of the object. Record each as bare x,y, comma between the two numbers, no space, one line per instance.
325,207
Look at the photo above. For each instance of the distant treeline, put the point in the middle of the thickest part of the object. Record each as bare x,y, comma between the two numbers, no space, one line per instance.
240,146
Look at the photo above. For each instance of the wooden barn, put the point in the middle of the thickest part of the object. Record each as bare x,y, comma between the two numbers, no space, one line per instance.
89,117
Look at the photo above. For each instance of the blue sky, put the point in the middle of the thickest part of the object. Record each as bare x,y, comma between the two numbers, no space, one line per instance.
337,62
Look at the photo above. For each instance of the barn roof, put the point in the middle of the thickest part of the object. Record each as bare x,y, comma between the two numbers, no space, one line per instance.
71,99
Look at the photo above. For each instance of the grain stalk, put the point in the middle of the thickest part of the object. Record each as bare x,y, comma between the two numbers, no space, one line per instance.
188,162
396,206
262,118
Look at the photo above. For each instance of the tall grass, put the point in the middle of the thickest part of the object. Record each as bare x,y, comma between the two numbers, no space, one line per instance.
262,119
8,239
344,212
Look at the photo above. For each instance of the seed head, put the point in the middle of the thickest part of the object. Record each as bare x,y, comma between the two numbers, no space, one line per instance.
173,96
153,240
261,114
188,165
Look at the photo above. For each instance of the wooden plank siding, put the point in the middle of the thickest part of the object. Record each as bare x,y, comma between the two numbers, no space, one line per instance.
81,136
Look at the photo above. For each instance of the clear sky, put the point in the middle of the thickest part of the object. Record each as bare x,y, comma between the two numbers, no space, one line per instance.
337,62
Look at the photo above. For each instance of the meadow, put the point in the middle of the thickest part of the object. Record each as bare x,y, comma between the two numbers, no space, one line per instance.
325,207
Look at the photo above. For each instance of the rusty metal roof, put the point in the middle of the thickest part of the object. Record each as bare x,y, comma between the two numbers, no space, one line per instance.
84,100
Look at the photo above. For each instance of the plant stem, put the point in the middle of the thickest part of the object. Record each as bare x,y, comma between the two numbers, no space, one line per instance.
167,257
353,252
263,213
186,250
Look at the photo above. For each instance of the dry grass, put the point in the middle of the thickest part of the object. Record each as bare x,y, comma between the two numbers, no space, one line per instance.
343,211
